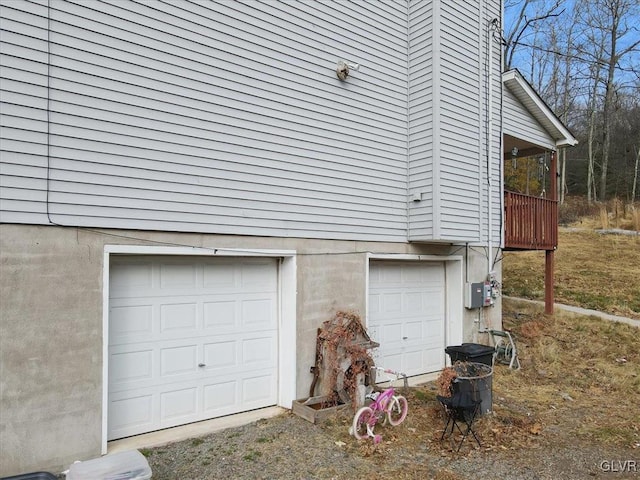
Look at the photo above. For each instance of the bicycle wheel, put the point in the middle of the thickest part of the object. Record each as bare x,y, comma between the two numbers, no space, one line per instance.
360,423
397,411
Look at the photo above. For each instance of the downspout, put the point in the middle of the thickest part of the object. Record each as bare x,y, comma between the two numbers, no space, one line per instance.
408,203
493,25
500,32
489,169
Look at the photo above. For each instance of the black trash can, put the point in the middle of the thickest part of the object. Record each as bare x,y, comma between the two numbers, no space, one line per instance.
32,476
471,352
477,380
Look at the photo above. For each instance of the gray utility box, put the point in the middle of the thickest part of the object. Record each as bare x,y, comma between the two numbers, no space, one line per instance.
478,295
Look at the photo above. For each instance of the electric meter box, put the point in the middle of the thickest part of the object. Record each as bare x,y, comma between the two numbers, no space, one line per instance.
478,295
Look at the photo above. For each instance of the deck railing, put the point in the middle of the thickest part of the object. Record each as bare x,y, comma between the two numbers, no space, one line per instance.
531,223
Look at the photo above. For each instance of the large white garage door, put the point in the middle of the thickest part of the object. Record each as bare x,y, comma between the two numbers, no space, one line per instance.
407,315
190,338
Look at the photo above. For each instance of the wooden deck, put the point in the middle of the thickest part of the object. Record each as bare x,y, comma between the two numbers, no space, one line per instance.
531,223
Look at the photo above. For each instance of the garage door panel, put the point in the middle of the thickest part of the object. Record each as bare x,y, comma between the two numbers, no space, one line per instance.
131,413
434,333
179,317
178,404
218,277
391,334
220,315
178,360
190,339
389,277
177,276
433,357
258,351
258,389
389,360
406,314
258,276
435,344
374,304
189,400
414,302
392,303
130,322
415,273
258,313
220,355
250,276
133,366
135,276
413,330
220,396
414,357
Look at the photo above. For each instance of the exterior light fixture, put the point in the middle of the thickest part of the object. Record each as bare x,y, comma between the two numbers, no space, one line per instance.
343,69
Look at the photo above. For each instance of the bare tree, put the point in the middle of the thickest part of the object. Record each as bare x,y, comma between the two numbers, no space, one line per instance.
581,56
562,84
625,144
634,189
593,111
616,29
596,44
607,31
525,19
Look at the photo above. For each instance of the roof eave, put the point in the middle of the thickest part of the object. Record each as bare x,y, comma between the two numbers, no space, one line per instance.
517,84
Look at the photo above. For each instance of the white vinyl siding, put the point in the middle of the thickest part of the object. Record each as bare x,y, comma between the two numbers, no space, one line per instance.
23,113
222,117
227,117
448,125
422,110
520,123
460,130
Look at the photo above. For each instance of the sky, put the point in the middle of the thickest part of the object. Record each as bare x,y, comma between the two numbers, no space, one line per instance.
522,60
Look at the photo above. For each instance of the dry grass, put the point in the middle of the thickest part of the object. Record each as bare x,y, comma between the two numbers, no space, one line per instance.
578,212
579,368
592,270
579,384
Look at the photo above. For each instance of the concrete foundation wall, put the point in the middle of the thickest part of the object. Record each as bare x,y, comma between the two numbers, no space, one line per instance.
478,321
51,324
50,347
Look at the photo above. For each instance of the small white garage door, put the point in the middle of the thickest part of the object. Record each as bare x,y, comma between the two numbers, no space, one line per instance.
190,338
407,315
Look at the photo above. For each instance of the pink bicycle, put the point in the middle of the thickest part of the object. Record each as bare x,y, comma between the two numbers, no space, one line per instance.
386,406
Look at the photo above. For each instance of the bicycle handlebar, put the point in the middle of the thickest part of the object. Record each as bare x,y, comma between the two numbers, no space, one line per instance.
388,370
393,372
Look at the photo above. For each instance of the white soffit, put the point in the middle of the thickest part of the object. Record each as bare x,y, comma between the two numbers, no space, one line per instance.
530,99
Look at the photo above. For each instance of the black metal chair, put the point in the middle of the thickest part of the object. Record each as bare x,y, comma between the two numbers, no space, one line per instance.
461,408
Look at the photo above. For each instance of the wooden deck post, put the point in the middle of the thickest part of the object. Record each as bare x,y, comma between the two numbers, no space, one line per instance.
548,281
549,254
